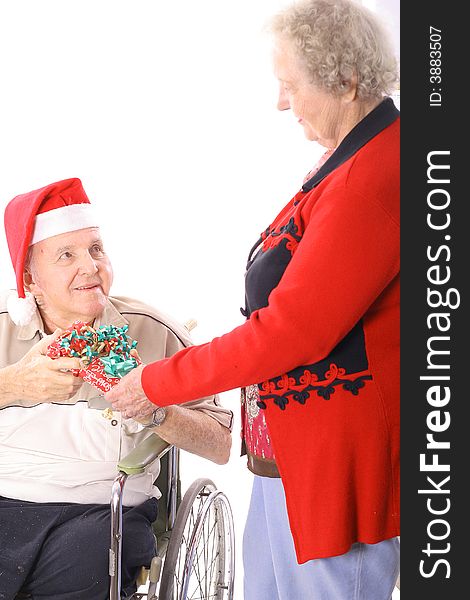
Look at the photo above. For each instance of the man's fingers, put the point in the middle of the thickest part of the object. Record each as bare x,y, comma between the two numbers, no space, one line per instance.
65,364
53,336
77,382
41,347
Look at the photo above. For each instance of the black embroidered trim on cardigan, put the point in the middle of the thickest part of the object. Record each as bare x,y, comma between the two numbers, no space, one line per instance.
289,232
288,387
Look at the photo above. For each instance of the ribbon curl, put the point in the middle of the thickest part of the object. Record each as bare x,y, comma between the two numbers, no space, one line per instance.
108,343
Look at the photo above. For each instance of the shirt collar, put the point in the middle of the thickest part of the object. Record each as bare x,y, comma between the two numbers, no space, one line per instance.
109,316
29,331
376,121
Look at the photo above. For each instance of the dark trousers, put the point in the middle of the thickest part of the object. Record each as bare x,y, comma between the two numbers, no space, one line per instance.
58,551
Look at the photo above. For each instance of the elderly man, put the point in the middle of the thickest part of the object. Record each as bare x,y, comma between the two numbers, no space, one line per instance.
58,453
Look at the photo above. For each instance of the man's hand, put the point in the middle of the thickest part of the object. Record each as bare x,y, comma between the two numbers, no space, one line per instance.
129,398
36,378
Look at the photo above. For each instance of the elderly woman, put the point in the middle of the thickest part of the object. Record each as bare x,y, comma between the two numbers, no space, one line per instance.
318,357
58,453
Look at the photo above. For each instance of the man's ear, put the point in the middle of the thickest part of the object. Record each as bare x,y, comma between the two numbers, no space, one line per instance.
28,281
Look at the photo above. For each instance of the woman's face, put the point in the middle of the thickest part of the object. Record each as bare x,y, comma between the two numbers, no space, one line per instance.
320,113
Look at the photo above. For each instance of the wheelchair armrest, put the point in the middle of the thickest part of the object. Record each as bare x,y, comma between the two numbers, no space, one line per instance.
145,453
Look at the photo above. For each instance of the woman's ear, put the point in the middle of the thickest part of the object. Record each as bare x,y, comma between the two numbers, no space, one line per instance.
349,89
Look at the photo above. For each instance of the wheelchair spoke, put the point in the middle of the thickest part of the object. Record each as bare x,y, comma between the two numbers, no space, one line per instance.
214,558
209,542
186,539
203,550
201,571
202,564
198,565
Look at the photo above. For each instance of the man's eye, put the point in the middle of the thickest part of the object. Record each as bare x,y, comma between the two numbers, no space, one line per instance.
65,256
97,250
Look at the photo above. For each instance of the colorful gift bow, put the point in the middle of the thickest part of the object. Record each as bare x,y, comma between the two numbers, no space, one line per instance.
107,353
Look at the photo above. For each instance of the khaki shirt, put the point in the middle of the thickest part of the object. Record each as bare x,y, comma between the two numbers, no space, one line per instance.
68,452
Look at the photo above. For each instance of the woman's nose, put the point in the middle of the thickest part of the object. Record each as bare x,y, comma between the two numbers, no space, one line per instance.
282,101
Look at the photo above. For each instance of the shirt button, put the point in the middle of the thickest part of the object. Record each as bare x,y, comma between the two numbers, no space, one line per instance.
114,422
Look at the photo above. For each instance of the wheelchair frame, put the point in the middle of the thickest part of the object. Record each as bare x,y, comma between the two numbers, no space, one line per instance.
183,527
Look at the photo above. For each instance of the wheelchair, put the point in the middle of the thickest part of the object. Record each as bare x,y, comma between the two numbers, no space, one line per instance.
195,556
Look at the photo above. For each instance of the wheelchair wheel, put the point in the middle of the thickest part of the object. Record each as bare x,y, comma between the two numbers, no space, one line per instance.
200,560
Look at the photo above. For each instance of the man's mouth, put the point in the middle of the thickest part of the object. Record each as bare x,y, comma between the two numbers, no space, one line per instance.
88,287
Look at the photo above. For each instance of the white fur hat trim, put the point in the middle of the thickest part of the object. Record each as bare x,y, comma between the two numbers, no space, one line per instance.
63,220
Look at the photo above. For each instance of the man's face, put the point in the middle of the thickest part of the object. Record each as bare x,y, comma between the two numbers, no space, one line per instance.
70,275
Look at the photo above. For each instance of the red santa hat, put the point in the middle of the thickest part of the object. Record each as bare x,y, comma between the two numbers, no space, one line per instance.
57,208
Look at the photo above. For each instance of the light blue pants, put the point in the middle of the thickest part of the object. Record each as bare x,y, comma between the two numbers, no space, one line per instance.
271,571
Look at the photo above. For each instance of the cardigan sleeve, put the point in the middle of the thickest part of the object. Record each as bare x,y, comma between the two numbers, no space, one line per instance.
347,256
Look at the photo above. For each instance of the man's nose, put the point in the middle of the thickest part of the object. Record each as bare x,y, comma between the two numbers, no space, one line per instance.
88,264
282,101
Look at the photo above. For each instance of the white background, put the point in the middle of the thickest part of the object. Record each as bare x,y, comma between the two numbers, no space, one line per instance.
167,112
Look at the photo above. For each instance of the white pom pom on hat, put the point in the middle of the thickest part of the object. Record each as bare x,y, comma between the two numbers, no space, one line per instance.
21,310
57,208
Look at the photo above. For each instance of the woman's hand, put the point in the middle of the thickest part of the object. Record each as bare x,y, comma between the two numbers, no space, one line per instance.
36,378
191,430
129,398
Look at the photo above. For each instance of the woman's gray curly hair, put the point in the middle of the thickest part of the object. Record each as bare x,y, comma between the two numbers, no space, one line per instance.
337,40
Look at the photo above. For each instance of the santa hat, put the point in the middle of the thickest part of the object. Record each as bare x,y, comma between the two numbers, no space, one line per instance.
58,208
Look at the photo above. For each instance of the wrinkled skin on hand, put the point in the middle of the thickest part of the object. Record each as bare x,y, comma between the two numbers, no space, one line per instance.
37,378
129,398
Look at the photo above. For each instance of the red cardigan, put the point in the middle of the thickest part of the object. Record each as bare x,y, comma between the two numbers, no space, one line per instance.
336,439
